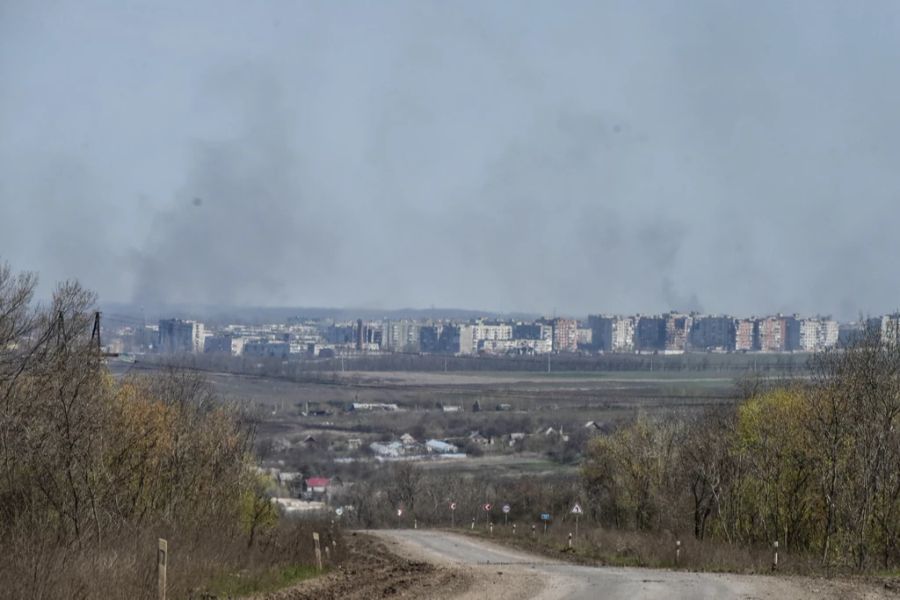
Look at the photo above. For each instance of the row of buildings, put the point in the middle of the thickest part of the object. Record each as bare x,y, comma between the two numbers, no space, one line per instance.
676,333
669,333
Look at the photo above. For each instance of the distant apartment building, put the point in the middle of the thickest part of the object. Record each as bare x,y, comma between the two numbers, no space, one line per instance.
367,336
612,333
565,335
802,334
267,349
849,333
585,337
428,338
468,343
180,337
677,330
829,333
712,333
887,327
744,335
533,331
650,334
224,344
472,337
771,334
339,333
400,336
810,334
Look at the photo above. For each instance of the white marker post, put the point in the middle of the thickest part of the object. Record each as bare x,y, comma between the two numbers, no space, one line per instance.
162,559
318,551
487,506
775,558
677,551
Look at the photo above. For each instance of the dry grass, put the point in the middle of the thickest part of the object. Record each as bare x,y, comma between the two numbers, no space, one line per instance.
203,564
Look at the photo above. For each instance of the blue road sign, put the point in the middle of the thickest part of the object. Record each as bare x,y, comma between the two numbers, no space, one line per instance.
545,516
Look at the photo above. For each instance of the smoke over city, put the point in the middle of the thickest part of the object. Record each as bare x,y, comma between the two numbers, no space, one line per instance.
519,157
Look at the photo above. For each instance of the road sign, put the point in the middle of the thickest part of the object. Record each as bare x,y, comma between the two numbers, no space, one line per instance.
487,507
545,516
576,510
453,506
339,511
506,508
399,512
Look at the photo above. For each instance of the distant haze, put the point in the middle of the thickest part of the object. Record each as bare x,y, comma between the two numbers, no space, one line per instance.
737,157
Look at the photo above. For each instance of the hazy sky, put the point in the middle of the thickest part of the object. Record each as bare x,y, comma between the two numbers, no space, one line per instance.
735,157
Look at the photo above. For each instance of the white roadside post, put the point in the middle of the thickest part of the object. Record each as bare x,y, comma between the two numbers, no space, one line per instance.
453,515
775,558
162,559
318,551
677,551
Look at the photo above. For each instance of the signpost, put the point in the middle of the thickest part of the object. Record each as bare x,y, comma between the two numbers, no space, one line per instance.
576,510
487,506
453,514
506,509
545,517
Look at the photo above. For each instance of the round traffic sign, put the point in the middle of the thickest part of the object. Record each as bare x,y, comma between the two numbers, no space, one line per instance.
487,507
506,508
339,511
453,506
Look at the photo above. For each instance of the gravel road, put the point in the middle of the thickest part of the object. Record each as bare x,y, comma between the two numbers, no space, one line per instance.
501,572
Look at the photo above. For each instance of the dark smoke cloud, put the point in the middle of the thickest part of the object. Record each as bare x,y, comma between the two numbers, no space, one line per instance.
247,224
514,156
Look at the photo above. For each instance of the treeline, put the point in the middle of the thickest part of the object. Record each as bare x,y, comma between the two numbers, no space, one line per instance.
326,370
93,470
815,466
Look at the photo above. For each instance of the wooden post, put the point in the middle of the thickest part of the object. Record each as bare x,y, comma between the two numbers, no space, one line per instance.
162,559
318,551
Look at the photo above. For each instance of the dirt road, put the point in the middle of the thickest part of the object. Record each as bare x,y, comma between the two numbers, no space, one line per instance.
500,572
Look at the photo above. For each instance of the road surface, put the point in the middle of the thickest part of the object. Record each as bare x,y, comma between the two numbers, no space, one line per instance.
506,573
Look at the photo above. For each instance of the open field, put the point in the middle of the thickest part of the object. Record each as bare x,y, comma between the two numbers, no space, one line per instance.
289,412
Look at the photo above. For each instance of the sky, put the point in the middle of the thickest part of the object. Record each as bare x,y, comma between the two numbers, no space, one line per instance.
543,157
